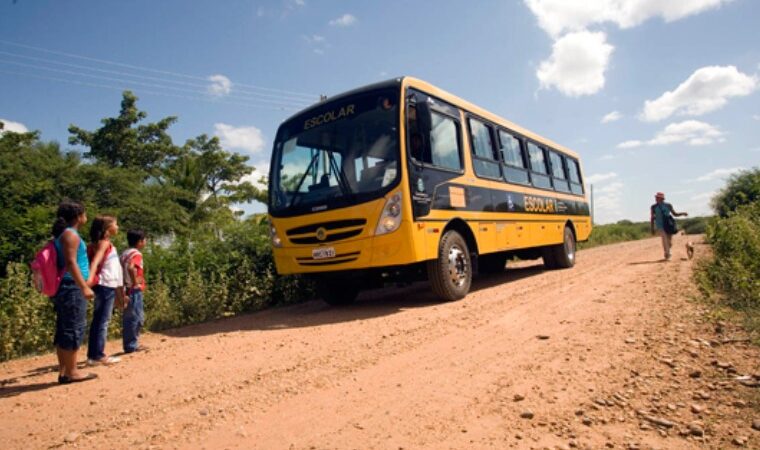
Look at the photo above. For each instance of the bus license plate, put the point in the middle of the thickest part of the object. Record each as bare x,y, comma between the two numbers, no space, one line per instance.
323,253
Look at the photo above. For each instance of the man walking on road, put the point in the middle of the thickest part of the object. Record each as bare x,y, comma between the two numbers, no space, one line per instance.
662,221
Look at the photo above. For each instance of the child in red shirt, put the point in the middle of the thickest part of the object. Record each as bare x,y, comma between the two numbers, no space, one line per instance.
133,317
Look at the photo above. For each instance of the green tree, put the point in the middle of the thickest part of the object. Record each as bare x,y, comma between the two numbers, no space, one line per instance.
123,142
211,176
33,175
742,188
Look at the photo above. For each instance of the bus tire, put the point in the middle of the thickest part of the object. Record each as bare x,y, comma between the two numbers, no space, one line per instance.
336,293
492,263
450,274
564,253
547,254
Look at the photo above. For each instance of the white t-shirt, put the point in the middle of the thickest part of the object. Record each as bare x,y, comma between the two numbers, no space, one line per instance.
111,275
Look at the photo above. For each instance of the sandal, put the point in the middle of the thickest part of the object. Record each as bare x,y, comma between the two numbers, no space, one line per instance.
63,379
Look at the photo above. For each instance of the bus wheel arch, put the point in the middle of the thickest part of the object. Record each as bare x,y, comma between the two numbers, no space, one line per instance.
562,256
450,273
465,231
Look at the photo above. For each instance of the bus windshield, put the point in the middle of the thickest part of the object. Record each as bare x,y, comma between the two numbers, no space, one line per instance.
339,154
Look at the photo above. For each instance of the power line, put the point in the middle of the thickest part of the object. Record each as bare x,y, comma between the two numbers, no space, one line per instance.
163,94
236,90
152,85
134,67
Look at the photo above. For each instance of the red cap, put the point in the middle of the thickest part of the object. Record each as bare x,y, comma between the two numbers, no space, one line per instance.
659,195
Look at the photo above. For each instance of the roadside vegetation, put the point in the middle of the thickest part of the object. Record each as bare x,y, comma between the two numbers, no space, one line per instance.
203,261
730,278
625,230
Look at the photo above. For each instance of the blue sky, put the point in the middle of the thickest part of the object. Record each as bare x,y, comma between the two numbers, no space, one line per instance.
655,96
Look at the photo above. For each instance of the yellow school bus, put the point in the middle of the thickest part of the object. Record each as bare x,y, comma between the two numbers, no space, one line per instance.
401,180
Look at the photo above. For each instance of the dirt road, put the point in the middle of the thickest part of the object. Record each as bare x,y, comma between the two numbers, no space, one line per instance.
611,353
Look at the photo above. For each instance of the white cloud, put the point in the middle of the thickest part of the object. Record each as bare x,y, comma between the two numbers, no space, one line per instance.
612,117
317,43
577,64
607,157
346,20
15,127
704,197
706,90
599,177
249,139
262,169
690,132
559,16
630,144
756,116
220,85
719,174
607,203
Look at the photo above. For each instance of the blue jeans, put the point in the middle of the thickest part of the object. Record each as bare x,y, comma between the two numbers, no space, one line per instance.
70,316
101,315
133,320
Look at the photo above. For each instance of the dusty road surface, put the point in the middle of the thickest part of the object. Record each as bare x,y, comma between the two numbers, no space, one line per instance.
610,354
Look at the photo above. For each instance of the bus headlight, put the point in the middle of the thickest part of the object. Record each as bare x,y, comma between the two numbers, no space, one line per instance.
276,241
390,219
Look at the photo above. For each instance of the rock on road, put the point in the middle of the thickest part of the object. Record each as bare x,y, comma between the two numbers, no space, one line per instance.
609,353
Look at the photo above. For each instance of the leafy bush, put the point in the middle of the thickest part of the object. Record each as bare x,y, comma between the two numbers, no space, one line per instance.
27,319
736,264
693,225
742,188
622,231
731,276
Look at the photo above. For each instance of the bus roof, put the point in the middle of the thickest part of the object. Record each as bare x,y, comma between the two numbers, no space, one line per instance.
408,81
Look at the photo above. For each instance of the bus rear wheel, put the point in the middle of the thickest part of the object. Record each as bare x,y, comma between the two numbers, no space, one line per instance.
450,274
335,292
561,256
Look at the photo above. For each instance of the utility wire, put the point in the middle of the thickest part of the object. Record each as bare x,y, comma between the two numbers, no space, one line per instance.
164,94
133,67
236,91
140,83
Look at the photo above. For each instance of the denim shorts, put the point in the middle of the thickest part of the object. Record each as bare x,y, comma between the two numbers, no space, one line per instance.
71,316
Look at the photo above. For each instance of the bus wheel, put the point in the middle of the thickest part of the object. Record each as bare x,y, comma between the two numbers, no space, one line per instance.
451,273
548,254
337,293
561,256
493,263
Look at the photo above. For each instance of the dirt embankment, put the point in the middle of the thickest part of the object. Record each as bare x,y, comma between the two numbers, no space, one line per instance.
609,354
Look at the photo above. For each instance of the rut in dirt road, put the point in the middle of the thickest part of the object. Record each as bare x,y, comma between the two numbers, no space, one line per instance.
530,358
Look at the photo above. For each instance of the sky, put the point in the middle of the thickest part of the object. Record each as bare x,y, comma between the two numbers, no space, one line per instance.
654,95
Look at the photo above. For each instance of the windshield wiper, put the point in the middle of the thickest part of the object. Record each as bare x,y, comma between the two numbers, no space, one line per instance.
297,191
342,181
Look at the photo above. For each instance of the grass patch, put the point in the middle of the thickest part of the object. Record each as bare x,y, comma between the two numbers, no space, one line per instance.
625,230
729,279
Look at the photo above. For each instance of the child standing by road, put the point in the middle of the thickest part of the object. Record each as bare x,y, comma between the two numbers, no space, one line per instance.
71,299
106,277
134,282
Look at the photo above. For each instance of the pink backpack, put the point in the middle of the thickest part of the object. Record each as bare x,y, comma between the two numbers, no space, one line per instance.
45,270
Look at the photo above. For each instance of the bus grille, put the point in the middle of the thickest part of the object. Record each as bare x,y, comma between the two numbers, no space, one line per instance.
335,231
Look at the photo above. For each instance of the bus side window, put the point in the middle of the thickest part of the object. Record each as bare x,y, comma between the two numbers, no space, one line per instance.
515,170
539,171
415,141
444,142
576,187
559,179
484,159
